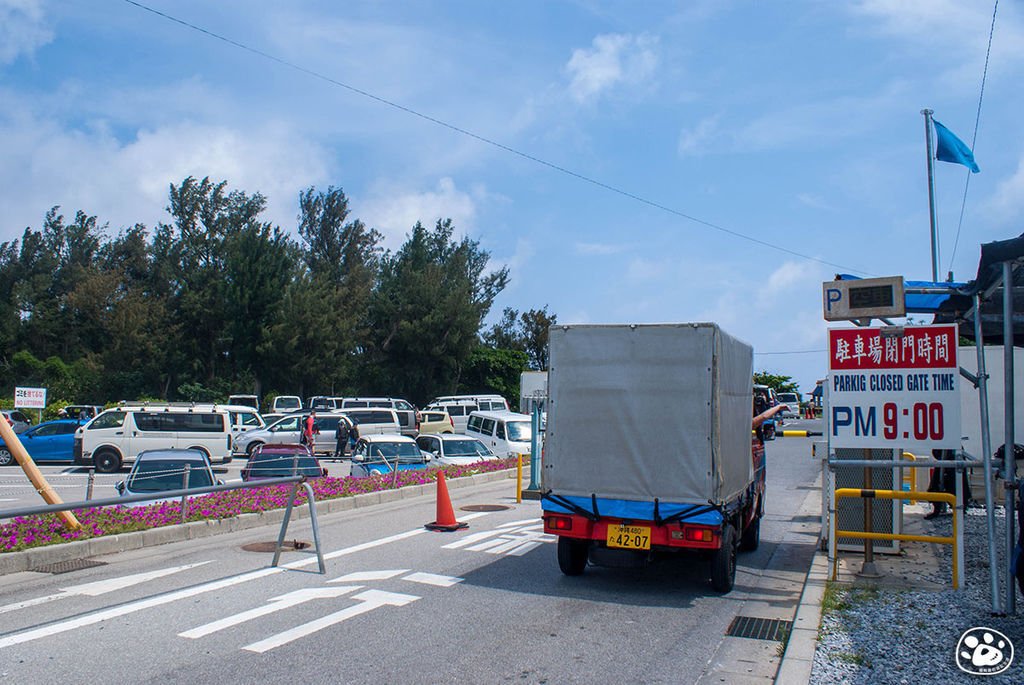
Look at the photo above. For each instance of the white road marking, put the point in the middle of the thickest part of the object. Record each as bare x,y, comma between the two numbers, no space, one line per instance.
472,538
532,523
99,587
166,598
524,548
275,604
362,576
484,546
433,579
369,600
132,607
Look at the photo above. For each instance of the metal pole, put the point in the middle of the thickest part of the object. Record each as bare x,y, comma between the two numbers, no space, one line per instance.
868,570
534,448
89,483
931,192
184,497
284,523
986,450
1009,465
316,527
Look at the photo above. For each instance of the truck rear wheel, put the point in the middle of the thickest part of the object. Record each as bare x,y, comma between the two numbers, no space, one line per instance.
572,555
723,563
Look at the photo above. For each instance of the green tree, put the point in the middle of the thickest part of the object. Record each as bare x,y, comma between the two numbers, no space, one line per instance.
430,302
778,382
490,370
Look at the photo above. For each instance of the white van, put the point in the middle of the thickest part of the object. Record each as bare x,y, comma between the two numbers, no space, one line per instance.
285,403
116,436
457,410
483,402
506,433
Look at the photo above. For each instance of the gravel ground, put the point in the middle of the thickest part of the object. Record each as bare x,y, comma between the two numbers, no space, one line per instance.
881,635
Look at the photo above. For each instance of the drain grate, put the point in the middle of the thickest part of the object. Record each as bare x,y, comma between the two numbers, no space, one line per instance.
759,628
484,507
287,545
68,566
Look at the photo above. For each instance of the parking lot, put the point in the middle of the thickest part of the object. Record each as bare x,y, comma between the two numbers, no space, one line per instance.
72,482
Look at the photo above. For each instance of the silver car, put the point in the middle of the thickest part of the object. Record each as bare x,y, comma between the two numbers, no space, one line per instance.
288,430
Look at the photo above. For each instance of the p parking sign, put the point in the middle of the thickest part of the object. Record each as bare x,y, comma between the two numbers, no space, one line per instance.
894,388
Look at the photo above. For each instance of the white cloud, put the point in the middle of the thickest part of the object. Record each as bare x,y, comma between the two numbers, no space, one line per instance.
1007,202
614,59
697,139
813,201
599,248
394,211
22,28
517,262
127,182
640,269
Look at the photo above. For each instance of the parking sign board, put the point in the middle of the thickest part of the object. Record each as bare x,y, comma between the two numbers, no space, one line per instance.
898,390
30,398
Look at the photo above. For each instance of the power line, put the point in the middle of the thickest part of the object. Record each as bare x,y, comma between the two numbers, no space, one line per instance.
794,352
974,140
489,141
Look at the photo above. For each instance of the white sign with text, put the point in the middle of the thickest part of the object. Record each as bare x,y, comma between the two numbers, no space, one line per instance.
894,391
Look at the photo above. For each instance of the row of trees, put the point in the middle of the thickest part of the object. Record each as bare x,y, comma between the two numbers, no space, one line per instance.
218,301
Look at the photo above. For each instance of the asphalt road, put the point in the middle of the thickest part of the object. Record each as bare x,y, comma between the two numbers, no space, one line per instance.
399,604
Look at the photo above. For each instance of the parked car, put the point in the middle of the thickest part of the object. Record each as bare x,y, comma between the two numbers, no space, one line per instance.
483,402
82,412
163,470
280,461
379,454
285,403
116,436
457,410
374,421
288,430
454,449
436,421
406,413
792,402
18,420
49,441
506,433
245,400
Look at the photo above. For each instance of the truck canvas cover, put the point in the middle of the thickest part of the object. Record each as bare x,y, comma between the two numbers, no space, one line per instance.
646,412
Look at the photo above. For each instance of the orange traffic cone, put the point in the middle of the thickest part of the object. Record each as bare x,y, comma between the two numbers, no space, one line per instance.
445,516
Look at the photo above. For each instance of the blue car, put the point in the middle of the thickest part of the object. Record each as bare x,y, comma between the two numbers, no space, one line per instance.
381,454
49,441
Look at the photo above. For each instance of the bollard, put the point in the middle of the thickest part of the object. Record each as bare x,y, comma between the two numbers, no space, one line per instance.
519,479
89,484
184,496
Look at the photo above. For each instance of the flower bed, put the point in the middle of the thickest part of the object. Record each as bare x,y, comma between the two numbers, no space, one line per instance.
36,531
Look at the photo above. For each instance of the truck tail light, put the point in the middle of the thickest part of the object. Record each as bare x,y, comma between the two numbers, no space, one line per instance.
695,534
559,522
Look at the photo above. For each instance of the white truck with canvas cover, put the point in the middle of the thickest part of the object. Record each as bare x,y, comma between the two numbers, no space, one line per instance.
649,446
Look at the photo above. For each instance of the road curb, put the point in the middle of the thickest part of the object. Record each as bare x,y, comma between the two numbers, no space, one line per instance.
798,659
27,560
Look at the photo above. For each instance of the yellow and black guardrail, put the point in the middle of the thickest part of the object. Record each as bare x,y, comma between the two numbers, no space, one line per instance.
898,494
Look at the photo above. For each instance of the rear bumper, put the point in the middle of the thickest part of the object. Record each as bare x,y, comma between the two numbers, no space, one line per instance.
675,535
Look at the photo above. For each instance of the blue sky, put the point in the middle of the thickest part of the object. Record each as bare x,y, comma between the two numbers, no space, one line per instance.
795,124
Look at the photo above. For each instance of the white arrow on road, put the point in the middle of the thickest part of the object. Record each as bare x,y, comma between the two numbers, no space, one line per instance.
369,600
275,604
99,587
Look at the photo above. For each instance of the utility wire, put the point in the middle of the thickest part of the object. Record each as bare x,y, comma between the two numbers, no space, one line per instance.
794,352
977,120
493,143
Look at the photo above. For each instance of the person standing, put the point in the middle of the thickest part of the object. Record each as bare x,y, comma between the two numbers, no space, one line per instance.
944,480
309,431
341,434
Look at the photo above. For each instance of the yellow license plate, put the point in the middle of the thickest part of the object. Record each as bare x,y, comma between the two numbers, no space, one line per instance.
629,537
